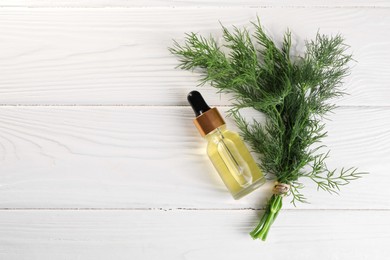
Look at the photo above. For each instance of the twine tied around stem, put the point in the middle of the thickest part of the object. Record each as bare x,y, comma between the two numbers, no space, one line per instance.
281,188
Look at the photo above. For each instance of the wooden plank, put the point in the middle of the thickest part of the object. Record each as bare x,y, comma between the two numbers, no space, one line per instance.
187,3
119,56
153,157
192,235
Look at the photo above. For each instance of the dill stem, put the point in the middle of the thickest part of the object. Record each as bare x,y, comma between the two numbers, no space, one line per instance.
272,210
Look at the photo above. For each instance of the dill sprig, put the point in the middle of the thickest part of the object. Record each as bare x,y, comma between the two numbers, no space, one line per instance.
293,91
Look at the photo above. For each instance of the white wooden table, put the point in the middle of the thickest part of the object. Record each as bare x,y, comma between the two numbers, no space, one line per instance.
99,158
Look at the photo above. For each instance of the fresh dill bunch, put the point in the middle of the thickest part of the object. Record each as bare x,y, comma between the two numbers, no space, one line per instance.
293,91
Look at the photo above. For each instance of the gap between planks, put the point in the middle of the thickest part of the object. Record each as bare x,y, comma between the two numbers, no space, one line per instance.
164,106
179,209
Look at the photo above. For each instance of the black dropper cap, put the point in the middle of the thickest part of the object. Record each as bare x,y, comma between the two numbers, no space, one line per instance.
197,102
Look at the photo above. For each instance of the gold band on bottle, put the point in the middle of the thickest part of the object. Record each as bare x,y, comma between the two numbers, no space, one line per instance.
208,121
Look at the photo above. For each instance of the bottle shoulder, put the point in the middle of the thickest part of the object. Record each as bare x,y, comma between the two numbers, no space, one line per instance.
223,134
229,134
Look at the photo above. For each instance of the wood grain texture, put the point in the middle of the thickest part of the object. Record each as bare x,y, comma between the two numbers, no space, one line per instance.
153,157
188,3
119,56
192,235
118,171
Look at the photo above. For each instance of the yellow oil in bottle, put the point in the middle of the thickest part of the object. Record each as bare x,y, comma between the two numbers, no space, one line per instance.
226,150
233,161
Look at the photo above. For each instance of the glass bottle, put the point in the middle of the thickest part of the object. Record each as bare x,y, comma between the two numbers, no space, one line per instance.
228,153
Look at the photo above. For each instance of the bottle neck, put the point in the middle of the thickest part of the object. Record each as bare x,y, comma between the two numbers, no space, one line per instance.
216,134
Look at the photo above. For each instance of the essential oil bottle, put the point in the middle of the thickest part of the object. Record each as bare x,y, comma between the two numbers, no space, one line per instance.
226,150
